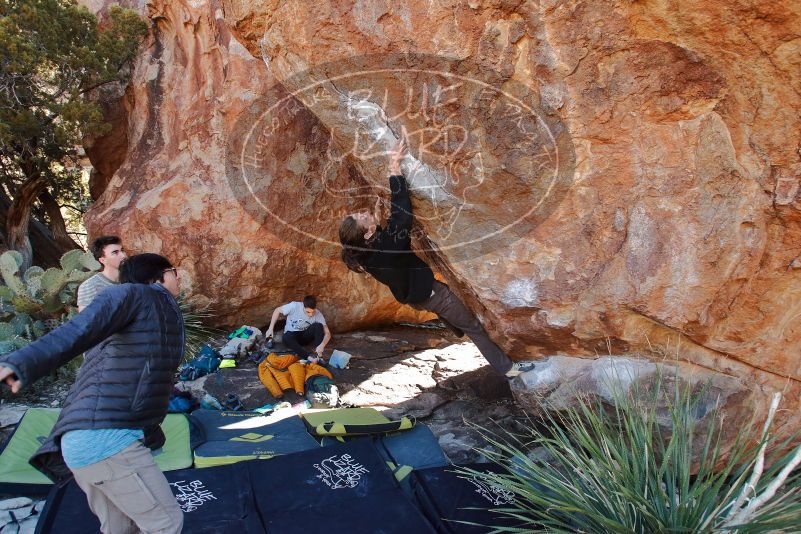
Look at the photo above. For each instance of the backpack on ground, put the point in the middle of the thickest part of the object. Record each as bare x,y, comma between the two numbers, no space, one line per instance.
321,392
207,361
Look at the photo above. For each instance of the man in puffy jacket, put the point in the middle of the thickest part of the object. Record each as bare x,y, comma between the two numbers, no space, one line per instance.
133,336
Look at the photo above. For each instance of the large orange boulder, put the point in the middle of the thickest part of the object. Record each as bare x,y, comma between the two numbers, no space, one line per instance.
169,194
593,177
596,177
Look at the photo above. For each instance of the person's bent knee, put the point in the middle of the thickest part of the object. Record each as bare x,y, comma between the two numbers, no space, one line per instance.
290,339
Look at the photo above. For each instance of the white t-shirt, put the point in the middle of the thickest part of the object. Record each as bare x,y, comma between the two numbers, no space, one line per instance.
92,287
296,318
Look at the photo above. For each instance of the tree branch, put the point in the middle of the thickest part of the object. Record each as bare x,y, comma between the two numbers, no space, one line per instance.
769,492
739,516
759,466
70,206
57,226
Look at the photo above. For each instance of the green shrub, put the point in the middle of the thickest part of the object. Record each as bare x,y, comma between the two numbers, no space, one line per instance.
615,470
36,301
197,333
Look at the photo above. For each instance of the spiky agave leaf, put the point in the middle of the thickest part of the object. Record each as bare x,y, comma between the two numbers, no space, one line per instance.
615,471
198,333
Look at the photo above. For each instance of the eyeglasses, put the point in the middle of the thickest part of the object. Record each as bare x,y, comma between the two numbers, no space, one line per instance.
173,269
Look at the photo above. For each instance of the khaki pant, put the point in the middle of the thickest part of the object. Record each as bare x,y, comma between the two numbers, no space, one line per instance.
448,307
129,494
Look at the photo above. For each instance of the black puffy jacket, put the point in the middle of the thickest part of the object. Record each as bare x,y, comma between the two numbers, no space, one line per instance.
133,336
391,260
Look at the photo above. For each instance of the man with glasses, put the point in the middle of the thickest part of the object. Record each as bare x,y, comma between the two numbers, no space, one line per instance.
112,413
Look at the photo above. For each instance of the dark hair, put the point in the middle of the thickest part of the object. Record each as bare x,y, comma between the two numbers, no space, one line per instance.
354,246
144,268
102,242
310,301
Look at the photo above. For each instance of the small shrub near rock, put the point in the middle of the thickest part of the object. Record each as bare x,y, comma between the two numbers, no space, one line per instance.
597,470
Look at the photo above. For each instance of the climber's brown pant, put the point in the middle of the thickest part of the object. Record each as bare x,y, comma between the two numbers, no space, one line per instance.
448,307
129,494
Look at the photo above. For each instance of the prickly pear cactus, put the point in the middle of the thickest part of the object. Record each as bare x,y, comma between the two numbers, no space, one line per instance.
10,338
35,302
10,263
6,331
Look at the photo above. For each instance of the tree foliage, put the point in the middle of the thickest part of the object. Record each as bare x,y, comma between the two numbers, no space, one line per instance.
53,55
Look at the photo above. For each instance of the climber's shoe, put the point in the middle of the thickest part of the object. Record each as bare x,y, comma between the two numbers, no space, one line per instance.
520,367
233,403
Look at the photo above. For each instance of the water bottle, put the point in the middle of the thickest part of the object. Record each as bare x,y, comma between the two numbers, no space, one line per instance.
210,403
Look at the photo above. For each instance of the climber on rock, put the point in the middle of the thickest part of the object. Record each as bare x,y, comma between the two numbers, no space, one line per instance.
304,325
386,254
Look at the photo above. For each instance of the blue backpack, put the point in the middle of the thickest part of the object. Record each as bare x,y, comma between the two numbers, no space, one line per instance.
206,361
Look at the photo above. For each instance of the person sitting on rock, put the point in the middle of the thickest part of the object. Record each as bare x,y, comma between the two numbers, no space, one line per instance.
386,254
133,335
304,325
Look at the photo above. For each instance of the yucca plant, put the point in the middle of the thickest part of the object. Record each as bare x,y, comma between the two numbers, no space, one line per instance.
617,470
195,323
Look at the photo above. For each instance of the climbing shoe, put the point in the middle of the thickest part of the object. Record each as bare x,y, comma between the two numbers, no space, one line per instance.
519,367
232,403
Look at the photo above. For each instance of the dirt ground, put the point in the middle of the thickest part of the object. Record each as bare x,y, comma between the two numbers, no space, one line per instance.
424,372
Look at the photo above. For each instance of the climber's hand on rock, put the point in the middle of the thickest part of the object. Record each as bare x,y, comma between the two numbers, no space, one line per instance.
9,378
396,156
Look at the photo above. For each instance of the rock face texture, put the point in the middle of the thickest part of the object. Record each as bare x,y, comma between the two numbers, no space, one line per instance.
593,177
169,193
561,382
671,215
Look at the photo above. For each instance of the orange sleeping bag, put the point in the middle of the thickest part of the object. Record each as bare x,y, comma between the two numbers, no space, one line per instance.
279,372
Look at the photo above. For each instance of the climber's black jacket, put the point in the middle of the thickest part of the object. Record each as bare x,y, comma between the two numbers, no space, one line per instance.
391,260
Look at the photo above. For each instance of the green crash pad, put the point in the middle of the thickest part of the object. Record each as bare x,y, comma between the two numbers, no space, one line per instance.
31,432
36,425
352,422
176,452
